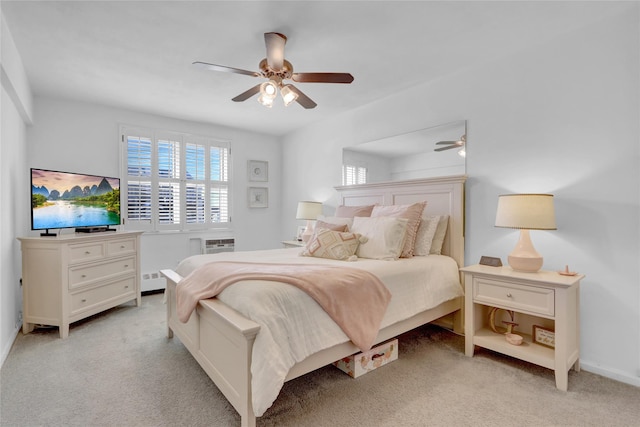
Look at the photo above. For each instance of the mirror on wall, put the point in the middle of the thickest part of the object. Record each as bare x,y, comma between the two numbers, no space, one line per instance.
409,155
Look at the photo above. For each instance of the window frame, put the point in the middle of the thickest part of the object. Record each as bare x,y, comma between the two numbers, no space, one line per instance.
181,182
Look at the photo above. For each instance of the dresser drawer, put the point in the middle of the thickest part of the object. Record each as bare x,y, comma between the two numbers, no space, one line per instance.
80,276
86,252
91,298
121,247
527,299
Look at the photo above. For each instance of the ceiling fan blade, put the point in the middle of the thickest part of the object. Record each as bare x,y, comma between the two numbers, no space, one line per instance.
449,147
322,77
247,94
447,142
214,67
303,99
275,49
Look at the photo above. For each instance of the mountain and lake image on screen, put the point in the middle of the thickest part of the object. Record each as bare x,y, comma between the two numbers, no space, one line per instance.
64,200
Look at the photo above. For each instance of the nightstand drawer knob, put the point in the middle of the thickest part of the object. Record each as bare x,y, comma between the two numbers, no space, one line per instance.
508,294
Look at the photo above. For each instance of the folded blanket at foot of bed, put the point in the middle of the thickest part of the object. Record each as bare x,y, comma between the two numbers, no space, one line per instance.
355,299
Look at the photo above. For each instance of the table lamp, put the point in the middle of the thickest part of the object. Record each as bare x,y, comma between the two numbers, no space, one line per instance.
526,212
310,212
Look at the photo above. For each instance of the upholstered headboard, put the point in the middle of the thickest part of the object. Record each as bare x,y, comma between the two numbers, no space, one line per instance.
444,196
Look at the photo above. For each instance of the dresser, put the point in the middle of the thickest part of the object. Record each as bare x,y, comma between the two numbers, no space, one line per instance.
72,276
544,305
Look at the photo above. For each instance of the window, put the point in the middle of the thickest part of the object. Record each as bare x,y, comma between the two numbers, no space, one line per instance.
354,175
174,181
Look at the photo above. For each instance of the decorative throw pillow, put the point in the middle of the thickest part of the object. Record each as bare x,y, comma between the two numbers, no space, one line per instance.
385,236
321,225
426,232
412,213
354,211
438,238
332,245
337,220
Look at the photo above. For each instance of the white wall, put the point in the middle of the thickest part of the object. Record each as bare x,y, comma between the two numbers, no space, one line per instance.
15,112
80,137
561,117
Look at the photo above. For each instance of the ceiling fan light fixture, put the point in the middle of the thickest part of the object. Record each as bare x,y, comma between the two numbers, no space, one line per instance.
269,89
265,100
462,152
288,95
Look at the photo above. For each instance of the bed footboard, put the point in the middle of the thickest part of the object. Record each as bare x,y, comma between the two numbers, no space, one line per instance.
221,341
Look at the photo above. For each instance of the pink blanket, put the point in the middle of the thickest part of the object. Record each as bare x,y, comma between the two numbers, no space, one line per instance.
355,299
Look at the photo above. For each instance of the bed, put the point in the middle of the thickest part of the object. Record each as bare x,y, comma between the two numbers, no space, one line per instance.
227,344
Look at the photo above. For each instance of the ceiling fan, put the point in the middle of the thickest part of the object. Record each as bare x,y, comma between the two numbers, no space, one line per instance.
277,69
451,144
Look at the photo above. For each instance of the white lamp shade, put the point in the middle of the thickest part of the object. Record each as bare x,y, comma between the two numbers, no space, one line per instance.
308,210
526,211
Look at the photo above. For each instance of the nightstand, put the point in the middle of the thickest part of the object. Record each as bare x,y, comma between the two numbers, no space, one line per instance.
292,243
545,299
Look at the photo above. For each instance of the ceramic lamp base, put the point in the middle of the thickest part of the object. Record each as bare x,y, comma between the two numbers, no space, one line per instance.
524,257
308,232
530,265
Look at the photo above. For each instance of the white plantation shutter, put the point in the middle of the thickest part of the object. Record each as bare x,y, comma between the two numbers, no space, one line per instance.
138,179
195,187
354,175
175,181
168,187
219,185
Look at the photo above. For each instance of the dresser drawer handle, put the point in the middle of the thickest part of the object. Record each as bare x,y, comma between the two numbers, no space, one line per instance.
87,252
83,276
508,294
122,246
126,265
126,286
83,300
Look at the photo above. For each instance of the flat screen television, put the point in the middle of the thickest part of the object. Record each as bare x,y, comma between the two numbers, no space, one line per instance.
72,200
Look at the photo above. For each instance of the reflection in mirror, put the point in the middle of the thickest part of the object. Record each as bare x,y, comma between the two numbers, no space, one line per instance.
410,155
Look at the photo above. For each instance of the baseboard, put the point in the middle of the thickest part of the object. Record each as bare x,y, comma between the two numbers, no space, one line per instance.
7,347
613,374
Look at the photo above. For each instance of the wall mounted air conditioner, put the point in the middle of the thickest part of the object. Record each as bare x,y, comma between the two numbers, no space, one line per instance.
214,246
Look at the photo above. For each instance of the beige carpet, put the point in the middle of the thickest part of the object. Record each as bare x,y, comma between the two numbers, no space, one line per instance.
119,369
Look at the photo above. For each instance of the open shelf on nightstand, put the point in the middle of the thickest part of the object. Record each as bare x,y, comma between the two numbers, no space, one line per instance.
527,351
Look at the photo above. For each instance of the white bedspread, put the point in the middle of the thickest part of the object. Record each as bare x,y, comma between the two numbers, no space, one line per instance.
416,284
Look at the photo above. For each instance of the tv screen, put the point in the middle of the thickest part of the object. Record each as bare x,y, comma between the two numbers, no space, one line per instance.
66,200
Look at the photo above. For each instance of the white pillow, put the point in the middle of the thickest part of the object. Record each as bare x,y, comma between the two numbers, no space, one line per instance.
426,232
411,212
385,236
337,220
438,238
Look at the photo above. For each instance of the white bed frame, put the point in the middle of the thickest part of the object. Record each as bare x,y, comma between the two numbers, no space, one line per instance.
221,339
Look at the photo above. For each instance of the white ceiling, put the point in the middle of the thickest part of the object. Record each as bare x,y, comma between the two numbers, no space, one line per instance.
138,55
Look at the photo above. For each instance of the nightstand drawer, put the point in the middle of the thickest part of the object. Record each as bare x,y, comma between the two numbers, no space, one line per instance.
527,299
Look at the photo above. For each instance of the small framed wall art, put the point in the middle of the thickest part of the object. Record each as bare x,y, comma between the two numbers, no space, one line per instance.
258,197
258,170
